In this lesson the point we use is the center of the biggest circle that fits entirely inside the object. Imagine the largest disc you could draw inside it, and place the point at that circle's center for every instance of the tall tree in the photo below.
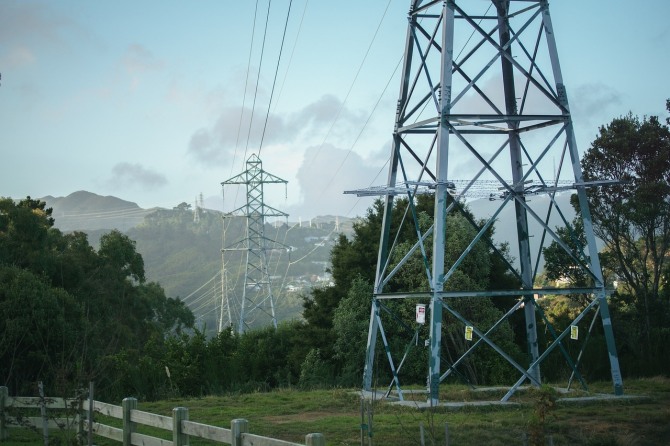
(633, 217)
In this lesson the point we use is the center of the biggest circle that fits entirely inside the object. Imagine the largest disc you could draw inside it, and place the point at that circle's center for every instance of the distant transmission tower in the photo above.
(196, 211)
(482, 94)
(257, 304)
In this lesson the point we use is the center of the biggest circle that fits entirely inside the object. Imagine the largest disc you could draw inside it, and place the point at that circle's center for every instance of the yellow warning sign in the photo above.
(574, 332)
(468, 332)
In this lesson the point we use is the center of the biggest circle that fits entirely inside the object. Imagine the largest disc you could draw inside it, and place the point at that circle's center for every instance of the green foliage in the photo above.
(350, 324)
(544, 403)
(71, 314)
(633, 217)
(40, 329)
(341, 313)
(558, 263)
(315, 373)
(118, 254)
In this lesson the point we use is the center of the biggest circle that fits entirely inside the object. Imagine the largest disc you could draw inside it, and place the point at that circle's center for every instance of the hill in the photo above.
(184, 253)
(87, 211)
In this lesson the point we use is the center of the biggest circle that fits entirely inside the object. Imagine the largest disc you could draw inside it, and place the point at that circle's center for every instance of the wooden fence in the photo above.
(78, 414)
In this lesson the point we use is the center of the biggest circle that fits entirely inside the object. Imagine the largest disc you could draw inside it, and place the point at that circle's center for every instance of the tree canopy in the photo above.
(66, 308)
(632, 218)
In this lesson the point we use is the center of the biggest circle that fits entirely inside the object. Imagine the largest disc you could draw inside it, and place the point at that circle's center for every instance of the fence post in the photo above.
(178, 437)
(127, 405)
(43, 412)
(91, 389)
(4, 394)
(237, 427)
(80, 417)
(315, 440)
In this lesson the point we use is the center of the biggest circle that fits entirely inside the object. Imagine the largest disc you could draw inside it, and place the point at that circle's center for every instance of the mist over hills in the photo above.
(183, 251)
(87, 211)
(182, 248)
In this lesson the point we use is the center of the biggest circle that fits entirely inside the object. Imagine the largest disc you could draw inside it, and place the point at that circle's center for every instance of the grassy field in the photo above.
(641, 418)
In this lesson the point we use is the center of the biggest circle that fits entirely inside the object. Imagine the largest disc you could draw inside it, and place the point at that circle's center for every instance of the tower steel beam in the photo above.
(482, 94)
(257, 297)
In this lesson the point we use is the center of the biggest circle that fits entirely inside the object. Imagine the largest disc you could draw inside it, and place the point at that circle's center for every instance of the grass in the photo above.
(291, 414)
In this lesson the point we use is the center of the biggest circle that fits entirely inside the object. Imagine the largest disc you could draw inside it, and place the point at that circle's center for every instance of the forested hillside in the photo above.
(184, 253)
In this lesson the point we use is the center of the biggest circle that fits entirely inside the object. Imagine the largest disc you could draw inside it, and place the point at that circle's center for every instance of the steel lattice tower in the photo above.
(482, 94)
(257, 298)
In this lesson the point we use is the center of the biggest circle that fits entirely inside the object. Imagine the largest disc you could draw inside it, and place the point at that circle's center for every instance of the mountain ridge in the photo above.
(83, 210)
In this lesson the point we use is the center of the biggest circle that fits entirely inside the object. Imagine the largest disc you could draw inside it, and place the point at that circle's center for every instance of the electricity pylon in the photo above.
(482, 94)
(257, 299)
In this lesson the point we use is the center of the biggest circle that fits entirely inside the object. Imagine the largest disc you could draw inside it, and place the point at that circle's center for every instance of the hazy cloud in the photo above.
(220, 142)
(30, 28)
(32, 22)
(20, 56)
(592, 101)
(138, 59)
(326, 172)
(127, 174)
(230, 135)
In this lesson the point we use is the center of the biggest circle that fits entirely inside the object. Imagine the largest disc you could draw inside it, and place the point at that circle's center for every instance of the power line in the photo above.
(290, 59)
(201, 287)
(258, 77)
(364, 126)
(281, 48)
(353, 82)
(246, 83)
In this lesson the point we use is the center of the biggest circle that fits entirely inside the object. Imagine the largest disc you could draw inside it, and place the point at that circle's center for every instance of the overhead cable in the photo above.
(274, 82)
(246, 83)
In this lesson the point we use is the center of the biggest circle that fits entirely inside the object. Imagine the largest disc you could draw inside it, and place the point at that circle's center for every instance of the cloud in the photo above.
(28, 29)
(20, 56)
(127, 174)
(326, 172)
(234, 132)
(138, 59)
(21, 21)
(592, 101)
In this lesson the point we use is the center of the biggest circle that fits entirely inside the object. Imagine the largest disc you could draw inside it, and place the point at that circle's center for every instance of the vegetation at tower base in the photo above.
(341, 314)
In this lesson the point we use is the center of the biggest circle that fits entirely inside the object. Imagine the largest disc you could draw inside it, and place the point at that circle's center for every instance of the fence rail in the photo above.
(84, 411)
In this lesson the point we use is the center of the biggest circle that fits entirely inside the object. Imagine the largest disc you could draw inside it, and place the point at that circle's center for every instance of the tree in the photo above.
(337, 317)
(40, 331)
(70, 312)
(350, 323)
(118, 253)
(633, 216)
(25, 229)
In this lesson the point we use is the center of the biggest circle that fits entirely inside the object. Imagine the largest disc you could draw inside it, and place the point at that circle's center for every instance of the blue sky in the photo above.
(143, 100)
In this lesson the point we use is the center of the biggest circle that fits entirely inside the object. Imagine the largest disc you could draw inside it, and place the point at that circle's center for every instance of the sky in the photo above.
(151, 101)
